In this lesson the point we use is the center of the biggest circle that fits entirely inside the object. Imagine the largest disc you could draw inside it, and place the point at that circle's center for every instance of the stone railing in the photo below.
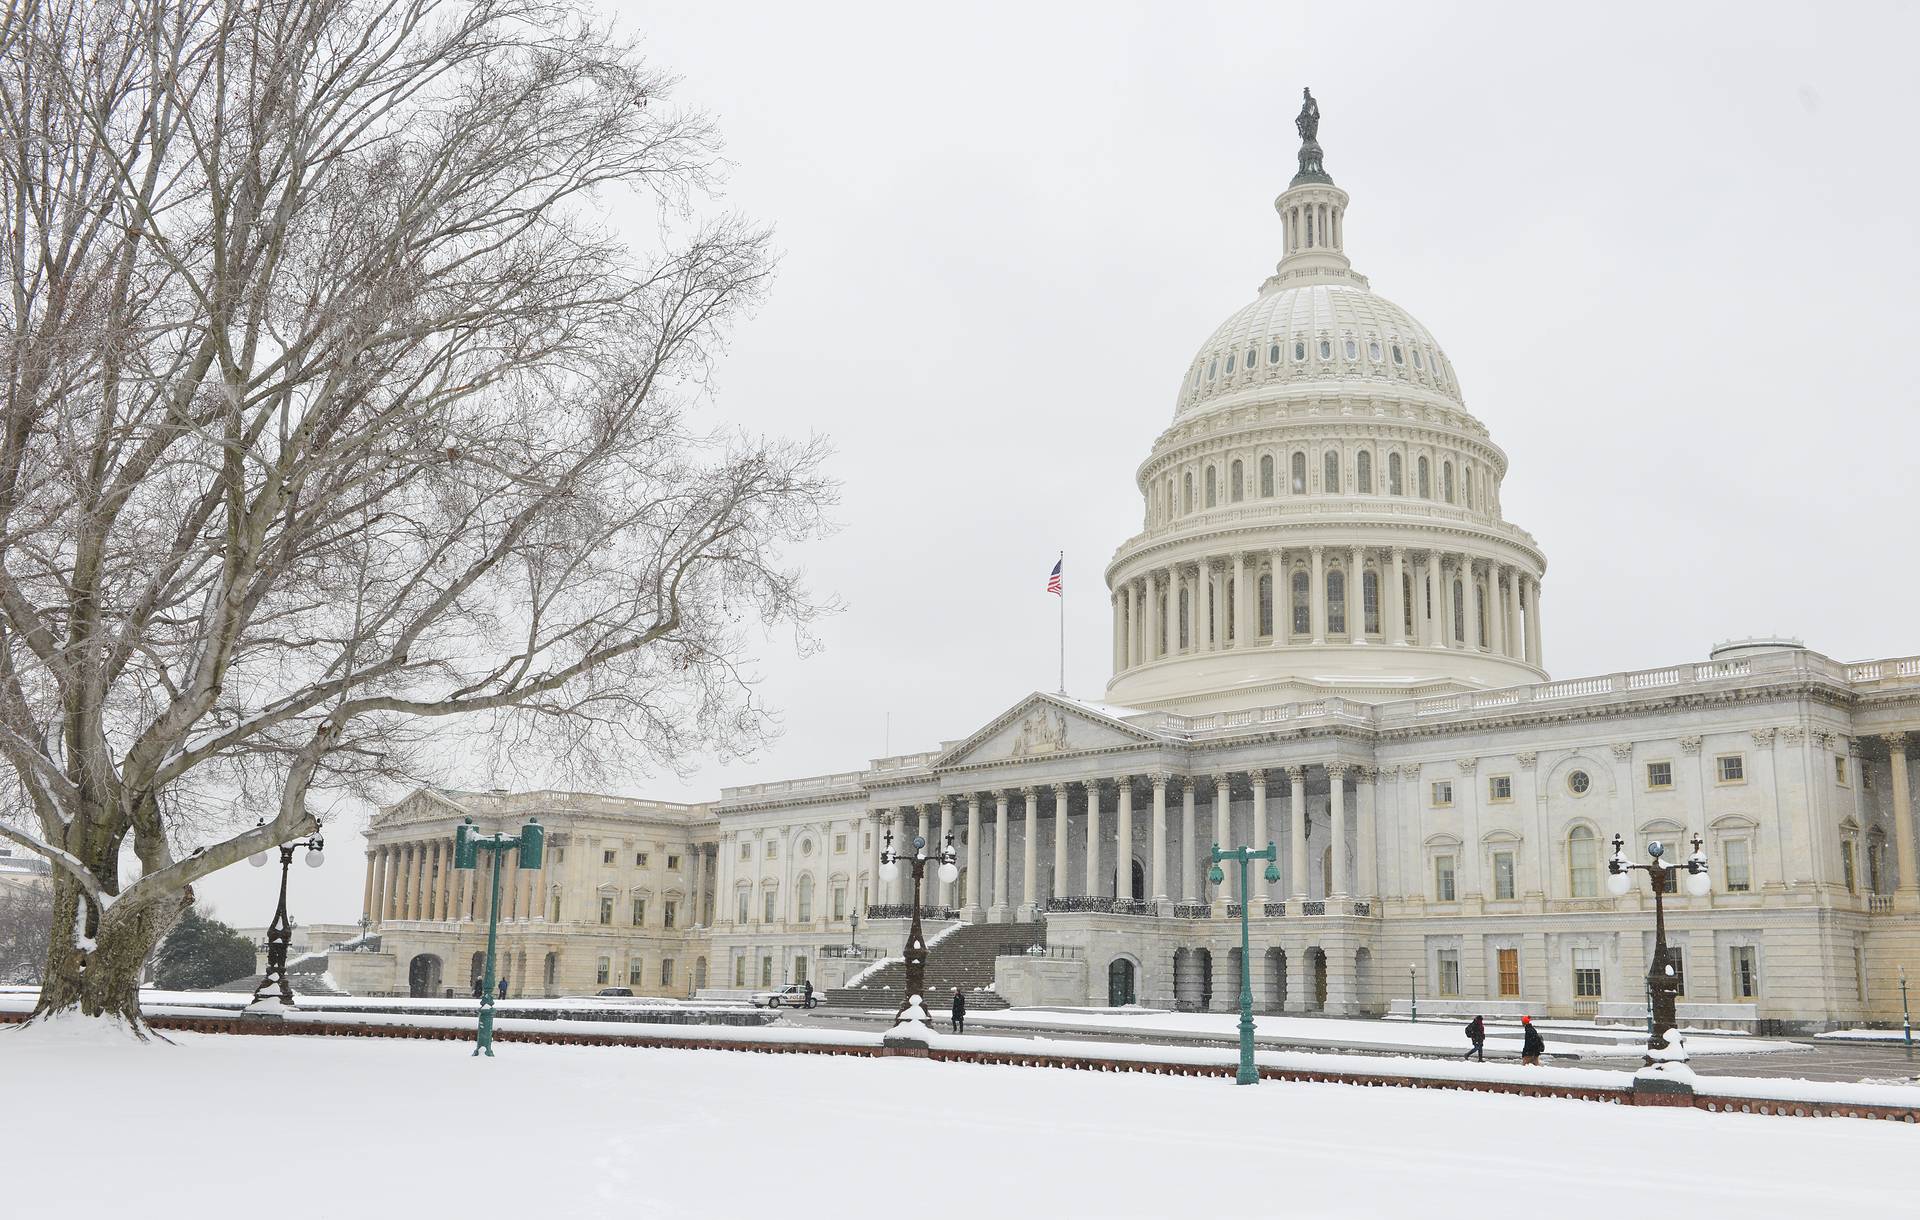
(1099, 904)
(1057, 952)
(905, 911)
(1192, 910)
(1880, 904)
(862, 953)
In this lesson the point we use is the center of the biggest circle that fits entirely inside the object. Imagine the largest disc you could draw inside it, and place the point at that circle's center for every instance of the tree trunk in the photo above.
(102, 979)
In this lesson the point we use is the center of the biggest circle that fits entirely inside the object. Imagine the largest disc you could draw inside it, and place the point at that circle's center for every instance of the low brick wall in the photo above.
(1015, 1057)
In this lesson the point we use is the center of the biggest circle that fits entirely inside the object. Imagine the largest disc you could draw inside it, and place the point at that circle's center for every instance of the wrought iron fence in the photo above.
(1276, 909)
(905, 911)
(1313, 906)
(859, 952)
(1191, 910)
(1020, 949)
(1099, 904)
(1266, 910)
(1363, 908)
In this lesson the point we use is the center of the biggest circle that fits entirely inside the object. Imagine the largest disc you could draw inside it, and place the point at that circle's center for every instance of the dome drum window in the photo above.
(1229, 364)
(1399, 357)
(1253, 355)
(1273, 354)
(1353, 350)
(1373, 350)
(1326, 349)
(1299, 349)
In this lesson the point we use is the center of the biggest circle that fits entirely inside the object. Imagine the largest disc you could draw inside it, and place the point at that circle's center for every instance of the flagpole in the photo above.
(1063, 624)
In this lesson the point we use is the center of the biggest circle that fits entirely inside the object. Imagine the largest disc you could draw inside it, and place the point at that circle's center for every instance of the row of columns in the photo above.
(416, 880)
(993, 894)
(1312, 226)
(1223, 603)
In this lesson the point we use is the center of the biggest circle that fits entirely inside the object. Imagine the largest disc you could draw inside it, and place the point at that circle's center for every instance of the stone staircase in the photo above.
(963, 960)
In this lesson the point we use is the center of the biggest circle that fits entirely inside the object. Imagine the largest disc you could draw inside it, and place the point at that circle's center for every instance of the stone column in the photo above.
(1202, 633)
(925, 828)
(1357, 596)
(426, 880)
(1129, 652)
(447, 876)
(1282, 598)
(1030, 854)
(1259, 781)
(1476, 610)
(1123, 840)
(409, 882)
(434, 870)
(1907, 894)
(1366, 843)
(1189, 879)
(1093, 839)
(1119, 632)
(1160, 839)
(1337, 812)
(946, 828)
(1426, 593)
(1516, 643)
(1317, 595)
(1170, 621)
(1240, 634)
(1395, 631)
(366, 903)
(976, 884)
(999, 911)
(1222, 804)
(1297, 812)
(382, 882)
(1496, 612)
(1531, 602)
(697, 880)
(1062, 812)
(539, 910)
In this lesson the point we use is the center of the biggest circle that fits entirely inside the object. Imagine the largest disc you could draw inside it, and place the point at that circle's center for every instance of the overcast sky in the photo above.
(1669, 248)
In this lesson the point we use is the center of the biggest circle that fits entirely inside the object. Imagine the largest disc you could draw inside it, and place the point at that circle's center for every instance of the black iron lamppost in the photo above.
(912, 1006)
(1661, 983)
(274, 991)
(1413, 995)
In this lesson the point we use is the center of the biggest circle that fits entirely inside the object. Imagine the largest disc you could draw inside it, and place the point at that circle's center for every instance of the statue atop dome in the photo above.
(1308, 125)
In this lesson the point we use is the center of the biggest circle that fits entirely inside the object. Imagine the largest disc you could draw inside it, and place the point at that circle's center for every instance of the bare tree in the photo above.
(340, 413)
(26, 914)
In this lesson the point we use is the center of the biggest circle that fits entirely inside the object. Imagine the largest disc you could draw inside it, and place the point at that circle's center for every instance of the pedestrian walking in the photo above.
(1532, 1045)
(959, 1022)
(476, 986)
(809, 986)
(1477, 1035)
(503, 989)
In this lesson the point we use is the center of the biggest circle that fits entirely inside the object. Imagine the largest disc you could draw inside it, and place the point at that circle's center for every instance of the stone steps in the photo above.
(963, 960)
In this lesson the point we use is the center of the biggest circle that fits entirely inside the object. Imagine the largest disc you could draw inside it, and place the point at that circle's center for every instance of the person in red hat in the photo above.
(1531, 1044)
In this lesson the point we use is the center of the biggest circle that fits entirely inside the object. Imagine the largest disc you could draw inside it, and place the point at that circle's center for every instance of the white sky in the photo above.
(1668, 248)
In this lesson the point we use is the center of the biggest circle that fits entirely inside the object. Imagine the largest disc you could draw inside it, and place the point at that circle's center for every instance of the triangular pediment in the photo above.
(1040, 726)
(421, 805)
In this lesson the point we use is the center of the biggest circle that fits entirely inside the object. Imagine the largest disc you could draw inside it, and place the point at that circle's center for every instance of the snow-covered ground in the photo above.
(1335, 1034)
(204, 1128)
(1866, 1035)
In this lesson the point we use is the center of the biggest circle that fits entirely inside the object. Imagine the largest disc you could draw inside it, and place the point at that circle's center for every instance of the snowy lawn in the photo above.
(1335, 1033)
(203, 1128)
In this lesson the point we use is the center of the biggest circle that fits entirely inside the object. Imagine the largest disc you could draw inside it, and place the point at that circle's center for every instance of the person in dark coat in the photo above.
(476, 986)
(1477, 1035)
(959, 1023)
(1532, 1045)
(809, 986)
(503, 989)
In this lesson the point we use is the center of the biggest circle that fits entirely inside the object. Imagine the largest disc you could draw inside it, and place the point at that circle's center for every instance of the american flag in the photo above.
(1053, 579)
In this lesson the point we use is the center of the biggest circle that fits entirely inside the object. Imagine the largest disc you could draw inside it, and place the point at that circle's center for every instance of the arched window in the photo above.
(1446, 481)
(1299, 474)
(1299, 349)
(1229, 363)
(1266, 603)
(1302, 613)
(1353, 349)
(1373, 349)
(1336, 602)
(1330, 472)
(1188, 503)
(1583, 863)
(1459, 615)
(1237, 482)
(1393, 474)
(1213, 490)
(1181, 640)
(1213, 366)
(1485, 601)
(1467, 486)
(1406, 603)
(1273, 354)
(803, 899)
(1226, 611)
(1426, 484)
(1252, 354)
(1326, 349)
(1370, 602)
(1266, 474)
(1399, 356)
(1363, 473)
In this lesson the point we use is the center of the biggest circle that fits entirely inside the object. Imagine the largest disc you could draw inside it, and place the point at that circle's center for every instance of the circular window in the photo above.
(806, 847)
(1577, 783)
(1326, 349)
(1373, 350)
(1273, 354)
(1353, 349)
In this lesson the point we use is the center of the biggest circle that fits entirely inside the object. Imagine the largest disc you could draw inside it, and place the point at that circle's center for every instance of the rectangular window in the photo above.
(1586, 974)
(1509, 962)
(634, 975)
(555, 916)
(1739, 870)
(603, 970)
(839, 845)
(639, 911)
(1840, 769)
(1745, 969)
(866, 841)
(746, 851)
(673, 863)
(559, 855)
(1442, 794)
(771, 899)
(1846, 863)
(1659, 775)
(1449, 980)
(1503, 874)
(1499, 788)
(666, 972)
(1677, 958)
(606, 910)
(606, 857)
(741, 908)
(773, 850)
(766, 971)
(639, 859)
(839, 902)
(667, 912)
(1731, 768)
(740, 971)
(799, 968)
(1443, 879)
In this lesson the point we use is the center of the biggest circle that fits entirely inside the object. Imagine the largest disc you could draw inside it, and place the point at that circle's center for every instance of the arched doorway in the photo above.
(1232, 997)
(1120, 983)
(1276, 980)
(1363, 980)
(1205, 957)
(699, 973)
(424, 976)
(550, 973)
(1189, 993)
(476, 971)
(1317, 968)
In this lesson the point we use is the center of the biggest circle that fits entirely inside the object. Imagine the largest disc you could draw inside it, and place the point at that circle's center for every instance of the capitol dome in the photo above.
(1323, 515)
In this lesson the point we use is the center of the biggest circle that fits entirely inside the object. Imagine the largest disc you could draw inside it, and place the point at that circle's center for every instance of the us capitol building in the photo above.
(1325, 633)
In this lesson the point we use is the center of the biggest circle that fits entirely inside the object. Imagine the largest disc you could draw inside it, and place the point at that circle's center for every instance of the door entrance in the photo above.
(1119, 983)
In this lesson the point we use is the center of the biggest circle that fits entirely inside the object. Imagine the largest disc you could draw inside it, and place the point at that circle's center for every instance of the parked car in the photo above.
(616, 991)
(793, 995)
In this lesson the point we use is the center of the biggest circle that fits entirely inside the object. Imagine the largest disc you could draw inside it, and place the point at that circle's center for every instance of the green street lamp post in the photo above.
(1245, 855)
(1413, 995)
(1906, 1019)
(468, 843)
